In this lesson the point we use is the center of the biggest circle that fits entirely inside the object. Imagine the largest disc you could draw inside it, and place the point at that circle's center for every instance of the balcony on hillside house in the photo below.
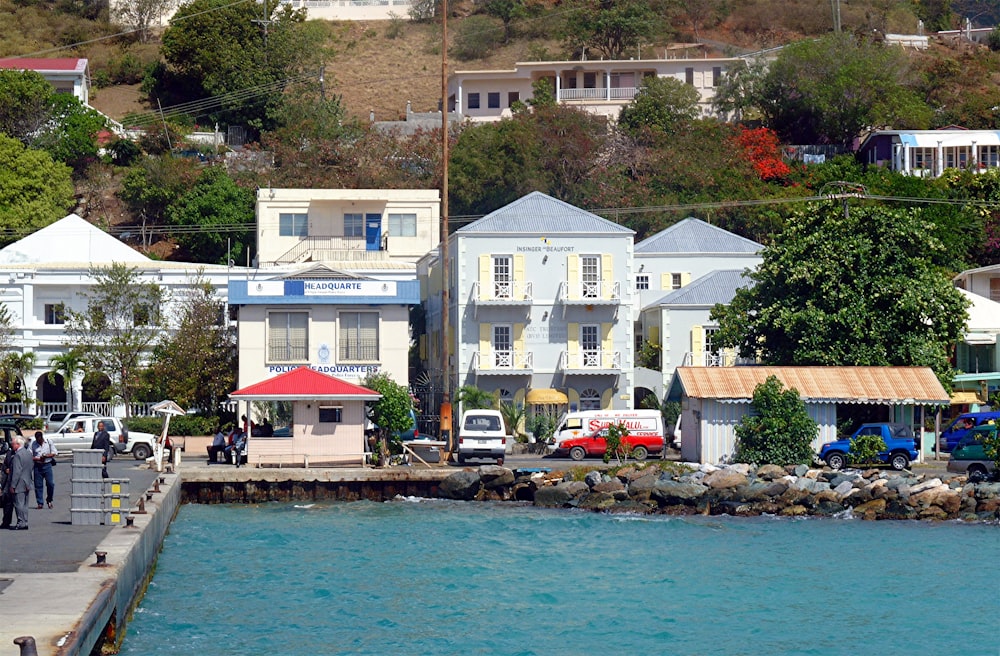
(502, 362)
(336, 248)
(590, 362)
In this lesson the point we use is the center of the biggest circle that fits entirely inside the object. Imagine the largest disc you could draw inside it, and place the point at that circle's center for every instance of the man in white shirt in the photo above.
(44, 453)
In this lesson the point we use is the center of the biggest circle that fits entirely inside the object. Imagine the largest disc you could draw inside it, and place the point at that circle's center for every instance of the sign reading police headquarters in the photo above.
(313, 288)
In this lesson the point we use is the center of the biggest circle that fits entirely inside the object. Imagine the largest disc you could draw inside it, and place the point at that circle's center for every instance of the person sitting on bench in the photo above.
(236, 450)
(218, 446)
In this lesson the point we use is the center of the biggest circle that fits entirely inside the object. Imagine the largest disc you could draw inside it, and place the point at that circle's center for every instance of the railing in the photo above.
(503, 360)
(590, 292)
(720, 358)
(603, 93)
(317, 4)
(590, 359)
(298, 252)
(511, 291)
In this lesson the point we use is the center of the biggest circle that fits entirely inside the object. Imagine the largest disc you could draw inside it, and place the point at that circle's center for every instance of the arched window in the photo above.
(590, 399)
(506, 396)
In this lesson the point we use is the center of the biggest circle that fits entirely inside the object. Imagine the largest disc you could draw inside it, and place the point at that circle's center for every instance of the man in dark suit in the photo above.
(6, 498)
(102, 441)
(20, 482)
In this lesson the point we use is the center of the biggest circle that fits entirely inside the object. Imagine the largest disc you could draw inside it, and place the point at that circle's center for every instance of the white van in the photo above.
(482, 435)
(645, 423)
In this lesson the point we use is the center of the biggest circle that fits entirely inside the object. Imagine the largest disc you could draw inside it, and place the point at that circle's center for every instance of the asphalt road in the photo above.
(52, 543)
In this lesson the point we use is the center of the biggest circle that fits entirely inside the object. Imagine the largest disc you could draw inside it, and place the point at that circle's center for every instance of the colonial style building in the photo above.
(927, 153)
(539, 300)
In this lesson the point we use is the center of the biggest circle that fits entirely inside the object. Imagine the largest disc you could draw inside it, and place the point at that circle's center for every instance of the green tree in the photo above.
(662, 104)
(25, 103)
(830, 90)
(507, 11)
(779, 431)
(34, 189)
(71, 134)
(611, 28)
(153, 184)
(221, 213)
(472, 398)
(391, 413)
(195, 365)
(67, 365)
(119, 327)
(216, 49)
(16, 369)
(848, 290)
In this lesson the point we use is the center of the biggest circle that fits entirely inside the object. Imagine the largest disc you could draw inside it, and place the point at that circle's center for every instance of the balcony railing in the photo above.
(720, 358)
(503, 361)
(591, 361)
(590, 292)
(348, 247)
(603, 93)
(502, 293)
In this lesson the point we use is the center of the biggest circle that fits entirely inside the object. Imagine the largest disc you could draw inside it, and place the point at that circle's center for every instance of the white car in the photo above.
(78, 433)
(55, 420)
(482, 435)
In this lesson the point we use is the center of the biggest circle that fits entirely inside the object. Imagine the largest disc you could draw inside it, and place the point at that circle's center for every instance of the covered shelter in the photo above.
(328, 420)
(714, 399)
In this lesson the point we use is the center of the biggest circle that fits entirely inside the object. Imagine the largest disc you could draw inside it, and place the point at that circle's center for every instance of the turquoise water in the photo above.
(438, 577)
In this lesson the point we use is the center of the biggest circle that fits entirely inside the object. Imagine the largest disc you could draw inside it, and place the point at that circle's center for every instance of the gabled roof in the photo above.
(877, 385)
(305, 383)
(70, 239)
(711, 288)
(691, 236)
(320, 270)
(538, 213)
(45, 64)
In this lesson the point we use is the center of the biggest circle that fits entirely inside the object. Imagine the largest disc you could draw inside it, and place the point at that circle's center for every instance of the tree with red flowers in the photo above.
(762, 148)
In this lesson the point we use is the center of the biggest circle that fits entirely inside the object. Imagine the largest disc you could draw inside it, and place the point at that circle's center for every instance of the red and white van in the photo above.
(645, 427)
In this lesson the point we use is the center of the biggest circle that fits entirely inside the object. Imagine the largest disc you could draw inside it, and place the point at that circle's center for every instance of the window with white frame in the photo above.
(716, 76)
(590, 399)
(473, 101)
(712, 355)
(675, 281)
(55, 313)
(689, 75)
(354, 225)
(293, 225)
(590, 276)
(590, 344)
(331, 414)
(403, 225)
(503, 277)
(503, 348)
(641, 282)
(358, 336)
(287, 336)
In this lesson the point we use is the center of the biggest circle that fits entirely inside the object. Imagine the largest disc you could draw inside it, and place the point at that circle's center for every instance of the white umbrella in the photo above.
(168, 409)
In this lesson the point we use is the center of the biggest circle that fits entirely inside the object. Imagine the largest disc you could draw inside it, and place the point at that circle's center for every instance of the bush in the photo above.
(780, 431)
(865, 449)
(477, 37)
(186, 425)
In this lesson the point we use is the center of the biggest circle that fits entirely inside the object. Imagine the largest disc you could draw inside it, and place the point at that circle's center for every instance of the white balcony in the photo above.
(720, 358)
(624, 94)
(598, 292)
(591, 362)
(512, 292)
(501, 362)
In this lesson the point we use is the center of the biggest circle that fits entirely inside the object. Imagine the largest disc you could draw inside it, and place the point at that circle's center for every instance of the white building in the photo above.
(46, 274)
(927, 153)
(346, 225)
(596, 86)
(539, 301)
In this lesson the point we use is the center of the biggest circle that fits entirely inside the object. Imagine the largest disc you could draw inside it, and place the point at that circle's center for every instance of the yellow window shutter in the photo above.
(485, 282)
(607, 345)
(697, 345)
(606, 399)
(666, 281)
(485, 341)
(518, 343)
(654, 334)
(685, 278)
(573, 344)
(573, 275)
(607, 275)
(519, 280)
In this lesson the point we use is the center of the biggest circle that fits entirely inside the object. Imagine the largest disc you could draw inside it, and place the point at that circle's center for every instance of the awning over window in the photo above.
(964, 398)
(546, 396)
(979, 339)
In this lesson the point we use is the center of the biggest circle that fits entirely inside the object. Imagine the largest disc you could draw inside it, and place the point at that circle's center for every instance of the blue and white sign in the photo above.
(338, 370)
(306, 288)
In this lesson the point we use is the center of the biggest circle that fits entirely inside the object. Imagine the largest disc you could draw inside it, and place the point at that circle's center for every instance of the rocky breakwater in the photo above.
(741, 490)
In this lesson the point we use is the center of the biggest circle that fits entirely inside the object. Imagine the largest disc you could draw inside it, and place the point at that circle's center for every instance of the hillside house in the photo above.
(927, 153)
(67, 74)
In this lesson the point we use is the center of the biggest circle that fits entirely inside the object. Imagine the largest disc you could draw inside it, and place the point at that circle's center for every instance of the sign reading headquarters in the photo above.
(307, 288)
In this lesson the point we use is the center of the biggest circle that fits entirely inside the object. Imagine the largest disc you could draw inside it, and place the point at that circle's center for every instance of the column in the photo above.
(939, 160)
(906, 159)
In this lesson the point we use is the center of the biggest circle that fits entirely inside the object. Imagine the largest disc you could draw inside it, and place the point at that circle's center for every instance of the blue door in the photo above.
(373, 232)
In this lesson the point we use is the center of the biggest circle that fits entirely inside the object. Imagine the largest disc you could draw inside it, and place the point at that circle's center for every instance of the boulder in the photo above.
(630, 506)
(828, 508)
(926, 485)
(843, 488)
(770, 472)
(740, 467)
(641, 488)
(597, 501)
(494, 476)
(794, 510)
(725, 478)
(463, 485)
(593, 478)
(870, 510)
(612, 486)
(674, 492)
(800, 470)
(553, 496)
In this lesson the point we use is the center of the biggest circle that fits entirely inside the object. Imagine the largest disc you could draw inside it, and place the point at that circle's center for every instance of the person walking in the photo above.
(102, 441)
(6, 498)
(44, 453)
(20, 482)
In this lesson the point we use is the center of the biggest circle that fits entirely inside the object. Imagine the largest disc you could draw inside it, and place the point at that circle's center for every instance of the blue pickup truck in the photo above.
(900, 446)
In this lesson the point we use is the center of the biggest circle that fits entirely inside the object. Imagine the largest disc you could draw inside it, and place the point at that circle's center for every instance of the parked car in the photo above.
(481, 435)
(639, 446)
(969, 455)
(8, 429)
(961, 425)
(55, 420)
(78, 433)
(900, 446)
(20, 420)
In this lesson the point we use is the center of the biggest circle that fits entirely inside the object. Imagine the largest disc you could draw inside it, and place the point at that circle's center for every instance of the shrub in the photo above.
(779, 432)
(476, 38)
(614, 447)
(865, 449)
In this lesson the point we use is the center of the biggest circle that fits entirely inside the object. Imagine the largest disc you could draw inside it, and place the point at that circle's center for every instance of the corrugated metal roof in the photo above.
(883, 385)
(538, 213)
(47, 64)
(711, 288)
(305, 383)
(693, 235)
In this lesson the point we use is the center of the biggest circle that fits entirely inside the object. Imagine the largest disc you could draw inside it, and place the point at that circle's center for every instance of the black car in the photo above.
(20, 420)
(8, 429)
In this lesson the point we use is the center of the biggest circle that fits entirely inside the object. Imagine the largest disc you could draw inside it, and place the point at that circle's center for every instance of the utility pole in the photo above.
(264, 22)
(446, 422)
(835, 7)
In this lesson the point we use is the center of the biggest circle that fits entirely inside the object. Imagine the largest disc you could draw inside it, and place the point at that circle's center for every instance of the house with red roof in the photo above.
(328, 419)
(66, 74)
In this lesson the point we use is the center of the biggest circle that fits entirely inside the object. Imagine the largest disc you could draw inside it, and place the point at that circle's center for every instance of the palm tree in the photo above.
(67, 365)
(18, 367)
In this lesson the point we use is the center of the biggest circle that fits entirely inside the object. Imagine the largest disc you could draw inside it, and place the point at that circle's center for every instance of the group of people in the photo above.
(226, 442)
(29, 463)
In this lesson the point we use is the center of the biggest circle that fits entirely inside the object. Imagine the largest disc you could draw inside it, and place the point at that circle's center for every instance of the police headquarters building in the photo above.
(343, 323)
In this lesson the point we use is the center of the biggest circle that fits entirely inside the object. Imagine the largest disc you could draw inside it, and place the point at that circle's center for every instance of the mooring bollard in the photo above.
(149, 496)
(102, 557)
(130, 520)
(163, 479)
(142, 507)
(156, 486)
(27, 645)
